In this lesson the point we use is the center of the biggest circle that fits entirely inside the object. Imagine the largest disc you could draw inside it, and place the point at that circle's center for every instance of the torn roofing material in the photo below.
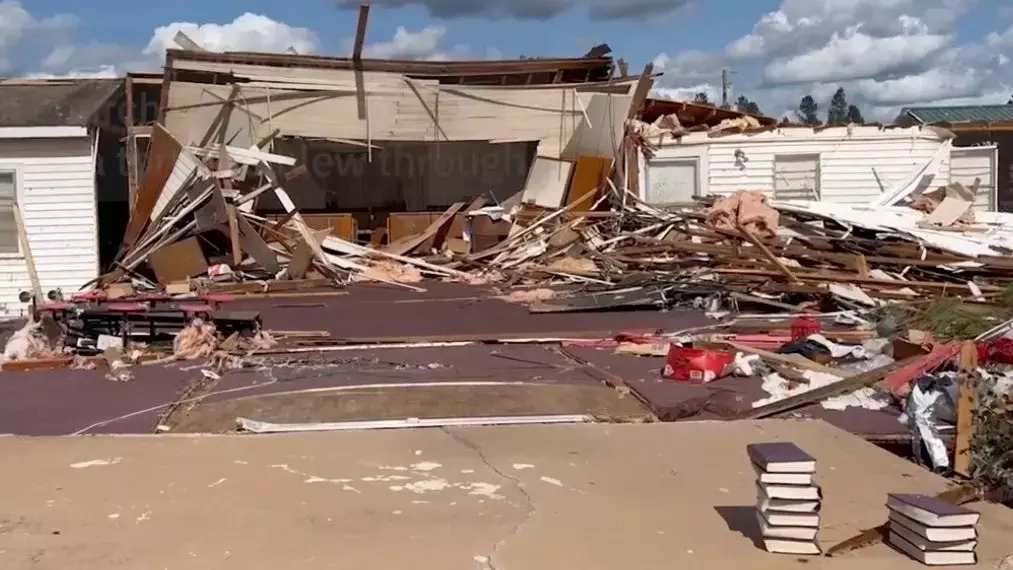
(691, 114)
(484, 72)
(54, 103)
(991, 236)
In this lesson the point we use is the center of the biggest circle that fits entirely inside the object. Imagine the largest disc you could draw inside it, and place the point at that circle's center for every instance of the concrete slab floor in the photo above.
(599, 496)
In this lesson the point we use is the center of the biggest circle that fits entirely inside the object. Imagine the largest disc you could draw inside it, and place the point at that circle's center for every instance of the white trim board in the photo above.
(42, 132)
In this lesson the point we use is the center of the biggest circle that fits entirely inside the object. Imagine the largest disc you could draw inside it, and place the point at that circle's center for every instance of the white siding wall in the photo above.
(57, 199)
(852, 168)
(977, 162)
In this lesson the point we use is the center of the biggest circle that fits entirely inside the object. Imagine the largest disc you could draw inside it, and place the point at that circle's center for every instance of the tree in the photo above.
(702, 98)
(744, 105)
(855, 116)
(837, 113)
(807, 111)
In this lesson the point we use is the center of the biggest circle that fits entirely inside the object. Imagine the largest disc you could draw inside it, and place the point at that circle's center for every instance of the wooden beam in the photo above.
(965, 410)
(26, 252)
(641, 91)
(131, 156)
(146, 80)
(360, 83)
(360, 33)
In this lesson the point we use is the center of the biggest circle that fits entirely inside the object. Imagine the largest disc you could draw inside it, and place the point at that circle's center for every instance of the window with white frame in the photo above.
(8, 225)
(797, 177)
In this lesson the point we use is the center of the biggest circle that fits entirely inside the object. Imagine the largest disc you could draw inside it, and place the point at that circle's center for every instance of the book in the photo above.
(788, 546)
(792, 492)
(931, 557)
(921, 544)
(782, 478)
(790, 519)
(765, 503)
(768, 530)
(933, 534)
(781, 457)
(930, 511)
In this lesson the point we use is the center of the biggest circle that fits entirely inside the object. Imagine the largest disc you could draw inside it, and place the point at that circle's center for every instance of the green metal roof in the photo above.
(962, 114)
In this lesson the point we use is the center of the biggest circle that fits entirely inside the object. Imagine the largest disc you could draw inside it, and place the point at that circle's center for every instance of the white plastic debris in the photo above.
(927, 412)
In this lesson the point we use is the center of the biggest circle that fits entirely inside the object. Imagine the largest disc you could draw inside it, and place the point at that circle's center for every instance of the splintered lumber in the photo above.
(286, 202)
(237, 248)
(406, 245)
(349, 248)
(796, 360)
(815, 395)
(302, 256)
(767, 253)
(965, 410)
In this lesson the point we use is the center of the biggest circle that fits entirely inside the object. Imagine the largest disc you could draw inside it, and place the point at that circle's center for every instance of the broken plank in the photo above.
(405, 246)
(255, 245)
(302, 256)
(965, 410)
(237, 248)
(813, 396)
(795, 360)
(767, 253)
(289, 206)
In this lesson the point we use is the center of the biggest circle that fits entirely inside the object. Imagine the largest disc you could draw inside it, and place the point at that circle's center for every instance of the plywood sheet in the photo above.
(162, 156)
(589, 173)
(606, 114)
(547, 182)
(178, 261)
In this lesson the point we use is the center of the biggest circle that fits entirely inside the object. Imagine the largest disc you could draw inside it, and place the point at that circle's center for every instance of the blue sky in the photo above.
(885, 53)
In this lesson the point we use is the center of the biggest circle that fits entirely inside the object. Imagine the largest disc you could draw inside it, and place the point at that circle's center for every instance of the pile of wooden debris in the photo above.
(740, 249)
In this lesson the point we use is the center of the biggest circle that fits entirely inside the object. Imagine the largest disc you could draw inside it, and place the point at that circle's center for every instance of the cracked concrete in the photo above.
(593, 497)
(490, 561)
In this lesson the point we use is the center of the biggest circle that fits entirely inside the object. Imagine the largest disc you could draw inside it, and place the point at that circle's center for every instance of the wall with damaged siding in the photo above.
(330, 104)
(57, 198)
(854, 165)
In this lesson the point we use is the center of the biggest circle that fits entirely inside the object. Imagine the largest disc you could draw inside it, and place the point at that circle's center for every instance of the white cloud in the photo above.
(18, 26)
(689, 93)
(884, 53)
(854, 56)
(423, 44)
(248, 32)
(535, 9)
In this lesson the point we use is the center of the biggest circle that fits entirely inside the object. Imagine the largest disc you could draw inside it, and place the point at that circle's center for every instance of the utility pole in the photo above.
(726, 86)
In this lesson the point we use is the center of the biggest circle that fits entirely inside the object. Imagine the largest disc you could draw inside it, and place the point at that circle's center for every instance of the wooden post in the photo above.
(130, 145)
(26, 251)
(965, 410)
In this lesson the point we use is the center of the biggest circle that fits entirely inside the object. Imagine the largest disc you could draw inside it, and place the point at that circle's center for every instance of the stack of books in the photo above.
(932, 531)
(788, 498)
